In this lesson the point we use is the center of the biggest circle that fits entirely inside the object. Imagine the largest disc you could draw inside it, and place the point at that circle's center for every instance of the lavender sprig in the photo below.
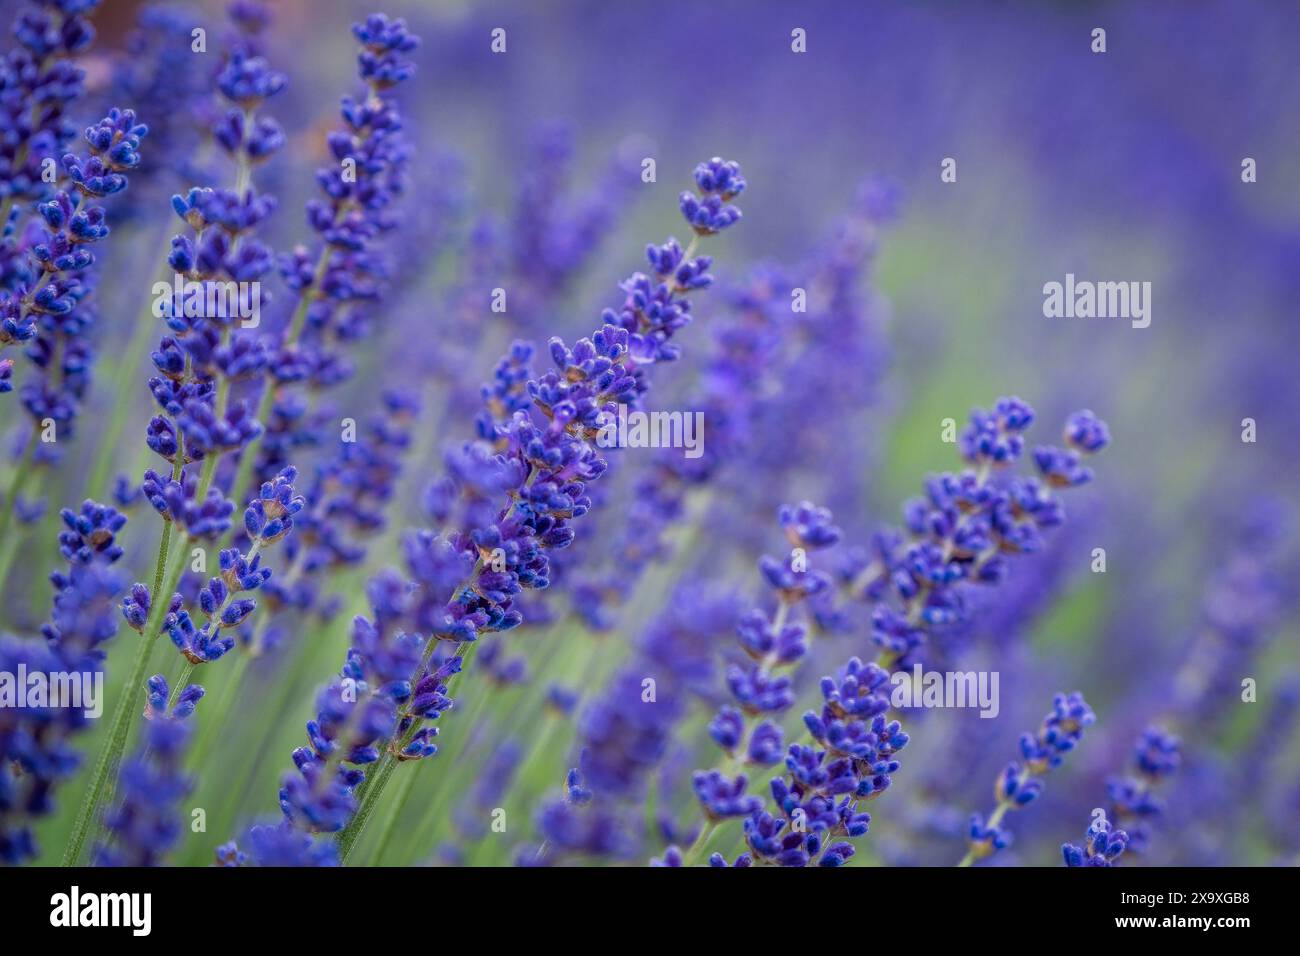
(852, 756)
(1134, 802)
(37, 83)
(1020, 784)
(551, 456)
(966, 529)
(49, 308)
(770, 644)
(337, 285)
(201, 360)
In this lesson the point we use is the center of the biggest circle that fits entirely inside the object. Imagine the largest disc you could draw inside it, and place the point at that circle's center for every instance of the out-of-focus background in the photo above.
(1117, 166)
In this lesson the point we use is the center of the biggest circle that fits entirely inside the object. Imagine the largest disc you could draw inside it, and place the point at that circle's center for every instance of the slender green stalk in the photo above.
(214, 717)
(101, 784)
(373, 787)
(389, 826)
(691, 857)
(182, 681)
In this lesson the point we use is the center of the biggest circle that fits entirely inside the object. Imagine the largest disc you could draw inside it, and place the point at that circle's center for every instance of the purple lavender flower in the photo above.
(1018, 785)
(962, 533)
(718, 183)
(38, 70)
(362, 710)
(219, 265)
(278, 844)
(552, 456)
(338, 284)
(176, 500)
(769, 641)
(268, 518)
(1133, 800)
(1103, 846)
(52, 300)
(36, 742)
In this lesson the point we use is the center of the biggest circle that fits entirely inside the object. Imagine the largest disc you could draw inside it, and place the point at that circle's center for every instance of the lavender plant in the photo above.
(47, 268)
(550, 458)
(1020, 784)
(304, 433)
(199, 363)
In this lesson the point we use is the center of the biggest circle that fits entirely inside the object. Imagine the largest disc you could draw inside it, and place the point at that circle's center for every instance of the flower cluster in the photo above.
(145, 825)
(1019, 784)
(37, 84)
(338, 285)
(852, 761)
(770, 644)
(372, 701)
(550, 450)
(853, 754)
(966, 528)
(36, 751)
(50, 309)
(1102, 847)
(550, 453)
(1133, 801)
(268, 518)
(550, 457)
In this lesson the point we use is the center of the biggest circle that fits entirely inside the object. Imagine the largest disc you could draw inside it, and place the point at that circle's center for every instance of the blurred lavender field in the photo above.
(522, 172)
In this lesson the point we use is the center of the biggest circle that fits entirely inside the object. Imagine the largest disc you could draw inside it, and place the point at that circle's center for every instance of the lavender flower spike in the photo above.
(551, 455)
(1133, 799)
(1019, 785)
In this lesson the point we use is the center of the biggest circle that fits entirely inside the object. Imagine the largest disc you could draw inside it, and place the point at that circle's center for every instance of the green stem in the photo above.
(182, 681)
(403, 792)
(994, 819)
(701, 842)
(120, 725)
(352, 832)
(373, 787)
